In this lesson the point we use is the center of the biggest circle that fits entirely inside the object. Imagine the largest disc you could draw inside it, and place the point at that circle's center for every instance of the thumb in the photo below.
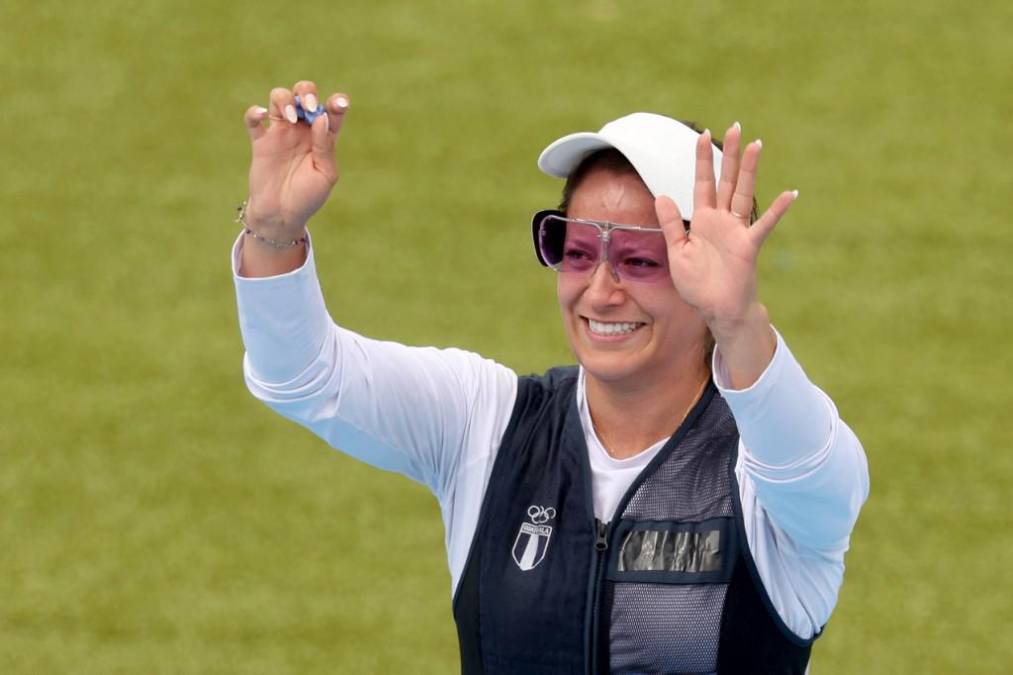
(254, 121)
(670, 220)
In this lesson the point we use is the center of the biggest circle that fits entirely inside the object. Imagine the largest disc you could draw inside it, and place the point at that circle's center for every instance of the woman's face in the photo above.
(626, 333)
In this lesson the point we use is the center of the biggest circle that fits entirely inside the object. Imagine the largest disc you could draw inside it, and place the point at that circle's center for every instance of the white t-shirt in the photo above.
(438, 417)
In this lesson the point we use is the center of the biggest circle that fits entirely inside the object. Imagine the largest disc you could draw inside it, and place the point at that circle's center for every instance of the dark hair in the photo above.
(612, 160)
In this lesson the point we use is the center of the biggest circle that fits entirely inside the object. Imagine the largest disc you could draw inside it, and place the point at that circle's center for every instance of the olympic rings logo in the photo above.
(541, 514)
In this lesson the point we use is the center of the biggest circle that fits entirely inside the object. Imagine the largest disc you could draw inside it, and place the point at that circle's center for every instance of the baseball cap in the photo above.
(661, 149)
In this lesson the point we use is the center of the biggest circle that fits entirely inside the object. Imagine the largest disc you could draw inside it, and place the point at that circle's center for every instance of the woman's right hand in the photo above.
(293, 167)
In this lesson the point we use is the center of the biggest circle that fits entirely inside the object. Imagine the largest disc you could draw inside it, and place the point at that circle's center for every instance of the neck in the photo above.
(629, 418)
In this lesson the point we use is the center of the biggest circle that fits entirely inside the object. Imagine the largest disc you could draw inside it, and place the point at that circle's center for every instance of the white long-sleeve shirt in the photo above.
(438, 416)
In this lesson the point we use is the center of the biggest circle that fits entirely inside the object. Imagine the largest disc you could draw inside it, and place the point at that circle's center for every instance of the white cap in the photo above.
(661, 149)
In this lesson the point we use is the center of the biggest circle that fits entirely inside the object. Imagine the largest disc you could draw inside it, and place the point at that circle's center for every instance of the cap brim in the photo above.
(563, 155)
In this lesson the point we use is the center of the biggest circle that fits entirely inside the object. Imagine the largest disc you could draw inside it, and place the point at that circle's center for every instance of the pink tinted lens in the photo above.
(639, 256)
(581, 248)
(567, 246)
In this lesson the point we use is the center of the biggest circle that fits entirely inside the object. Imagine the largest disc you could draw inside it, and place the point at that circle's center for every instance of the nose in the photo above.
(602, 288)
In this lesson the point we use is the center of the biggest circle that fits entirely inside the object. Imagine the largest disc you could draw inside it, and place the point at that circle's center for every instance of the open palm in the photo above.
(713, 264)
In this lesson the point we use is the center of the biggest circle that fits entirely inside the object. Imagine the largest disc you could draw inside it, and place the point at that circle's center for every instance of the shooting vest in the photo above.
(668, 586)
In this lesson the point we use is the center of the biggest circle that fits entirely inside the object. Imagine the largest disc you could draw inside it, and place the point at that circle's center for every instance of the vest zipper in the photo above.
(602, 530)
(601, 545)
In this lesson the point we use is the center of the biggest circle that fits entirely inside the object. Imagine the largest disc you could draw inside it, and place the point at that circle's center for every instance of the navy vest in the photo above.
(668, 586)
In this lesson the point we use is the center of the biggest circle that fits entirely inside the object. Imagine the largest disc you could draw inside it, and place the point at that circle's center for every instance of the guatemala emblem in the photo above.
(533, 538)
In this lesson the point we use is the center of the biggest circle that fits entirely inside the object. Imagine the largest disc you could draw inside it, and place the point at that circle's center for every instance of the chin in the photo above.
(612, 367)
(637, 364)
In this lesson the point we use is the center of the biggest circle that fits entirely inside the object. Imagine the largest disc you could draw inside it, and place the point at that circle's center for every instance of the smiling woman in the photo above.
(656, 508)
(633, 332)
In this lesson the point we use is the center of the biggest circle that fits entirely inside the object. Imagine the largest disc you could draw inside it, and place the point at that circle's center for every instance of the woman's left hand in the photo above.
(713, 265)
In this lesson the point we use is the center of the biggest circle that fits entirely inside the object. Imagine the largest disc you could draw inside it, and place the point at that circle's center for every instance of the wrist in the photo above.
(747, 345)
(272, 225)
(277, 245)
(277, 237)
(753, 321)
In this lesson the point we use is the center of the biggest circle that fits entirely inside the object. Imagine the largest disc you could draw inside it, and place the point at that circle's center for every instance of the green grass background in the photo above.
(154, 518)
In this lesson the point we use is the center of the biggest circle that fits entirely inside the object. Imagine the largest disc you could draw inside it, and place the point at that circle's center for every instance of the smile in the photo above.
(612, 328)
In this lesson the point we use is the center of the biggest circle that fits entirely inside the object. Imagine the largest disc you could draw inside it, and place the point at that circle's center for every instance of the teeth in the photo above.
(618, 328)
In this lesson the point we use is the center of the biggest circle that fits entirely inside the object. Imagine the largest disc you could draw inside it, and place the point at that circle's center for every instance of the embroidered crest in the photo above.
(533, 538)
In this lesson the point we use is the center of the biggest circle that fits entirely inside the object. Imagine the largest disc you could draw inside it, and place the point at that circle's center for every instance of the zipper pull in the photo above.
(602, 542)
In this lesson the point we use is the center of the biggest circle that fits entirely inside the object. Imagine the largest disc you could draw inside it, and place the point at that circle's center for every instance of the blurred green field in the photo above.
(154, 518)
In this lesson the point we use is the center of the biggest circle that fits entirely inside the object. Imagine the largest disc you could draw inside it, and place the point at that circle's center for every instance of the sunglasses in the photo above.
(577, 246)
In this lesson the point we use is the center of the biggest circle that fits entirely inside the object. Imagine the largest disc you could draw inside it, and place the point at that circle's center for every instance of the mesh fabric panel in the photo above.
(665, 628)
(675, 628)
(693, 484)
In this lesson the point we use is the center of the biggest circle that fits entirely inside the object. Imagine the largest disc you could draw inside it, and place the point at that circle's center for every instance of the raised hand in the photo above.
(293, 167)
(713, 265)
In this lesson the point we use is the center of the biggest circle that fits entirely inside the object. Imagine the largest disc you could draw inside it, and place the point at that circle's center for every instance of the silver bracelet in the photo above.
(273, 243)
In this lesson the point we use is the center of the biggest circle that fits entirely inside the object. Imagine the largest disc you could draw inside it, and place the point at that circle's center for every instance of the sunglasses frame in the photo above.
(605, 228)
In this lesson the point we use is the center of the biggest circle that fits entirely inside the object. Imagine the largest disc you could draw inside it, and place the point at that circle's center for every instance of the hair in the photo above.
(614, 161)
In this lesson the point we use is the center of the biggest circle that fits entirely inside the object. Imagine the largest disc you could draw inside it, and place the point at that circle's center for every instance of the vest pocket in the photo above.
(670, 552)
(665, 589)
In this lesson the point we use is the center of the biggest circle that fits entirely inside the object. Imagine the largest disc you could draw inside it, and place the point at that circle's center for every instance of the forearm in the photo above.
(807, 466)
(746, 345)
(781, 416)
(282, 316)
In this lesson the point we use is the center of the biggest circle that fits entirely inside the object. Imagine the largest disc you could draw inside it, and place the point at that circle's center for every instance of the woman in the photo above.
(681, 502)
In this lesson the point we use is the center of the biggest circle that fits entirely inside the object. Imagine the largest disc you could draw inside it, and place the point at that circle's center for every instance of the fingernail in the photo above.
(341, 102)
(290, 114)
(794, 195)
(707, 133)
(260, 111)
(327, 122)
(737, 126)
(759, 143)
(309, 102)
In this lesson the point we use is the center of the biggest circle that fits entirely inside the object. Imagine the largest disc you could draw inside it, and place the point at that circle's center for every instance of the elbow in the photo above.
(300, 395)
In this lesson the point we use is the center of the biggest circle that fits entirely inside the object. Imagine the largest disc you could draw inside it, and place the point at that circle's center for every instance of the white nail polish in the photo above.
(737, 126)
(341, 102)
(310, 102)
(794, 195)
(759, 143)
(260, 111)
(290, 114)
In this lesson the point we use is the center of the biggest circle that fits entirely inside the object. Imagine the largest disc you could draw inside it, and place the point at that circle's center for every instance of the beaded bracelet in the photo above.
(273, 243)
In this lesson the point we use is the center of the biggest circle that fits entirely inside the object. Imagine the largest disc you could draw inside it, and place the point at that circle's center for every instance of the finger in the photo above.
(282, 107)
(670, 220)
(337, 106)
(742, 200)
(703, 187)
(729, 166)
(307, 93)
(764, 225)
(323, 149)
(254, 121)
